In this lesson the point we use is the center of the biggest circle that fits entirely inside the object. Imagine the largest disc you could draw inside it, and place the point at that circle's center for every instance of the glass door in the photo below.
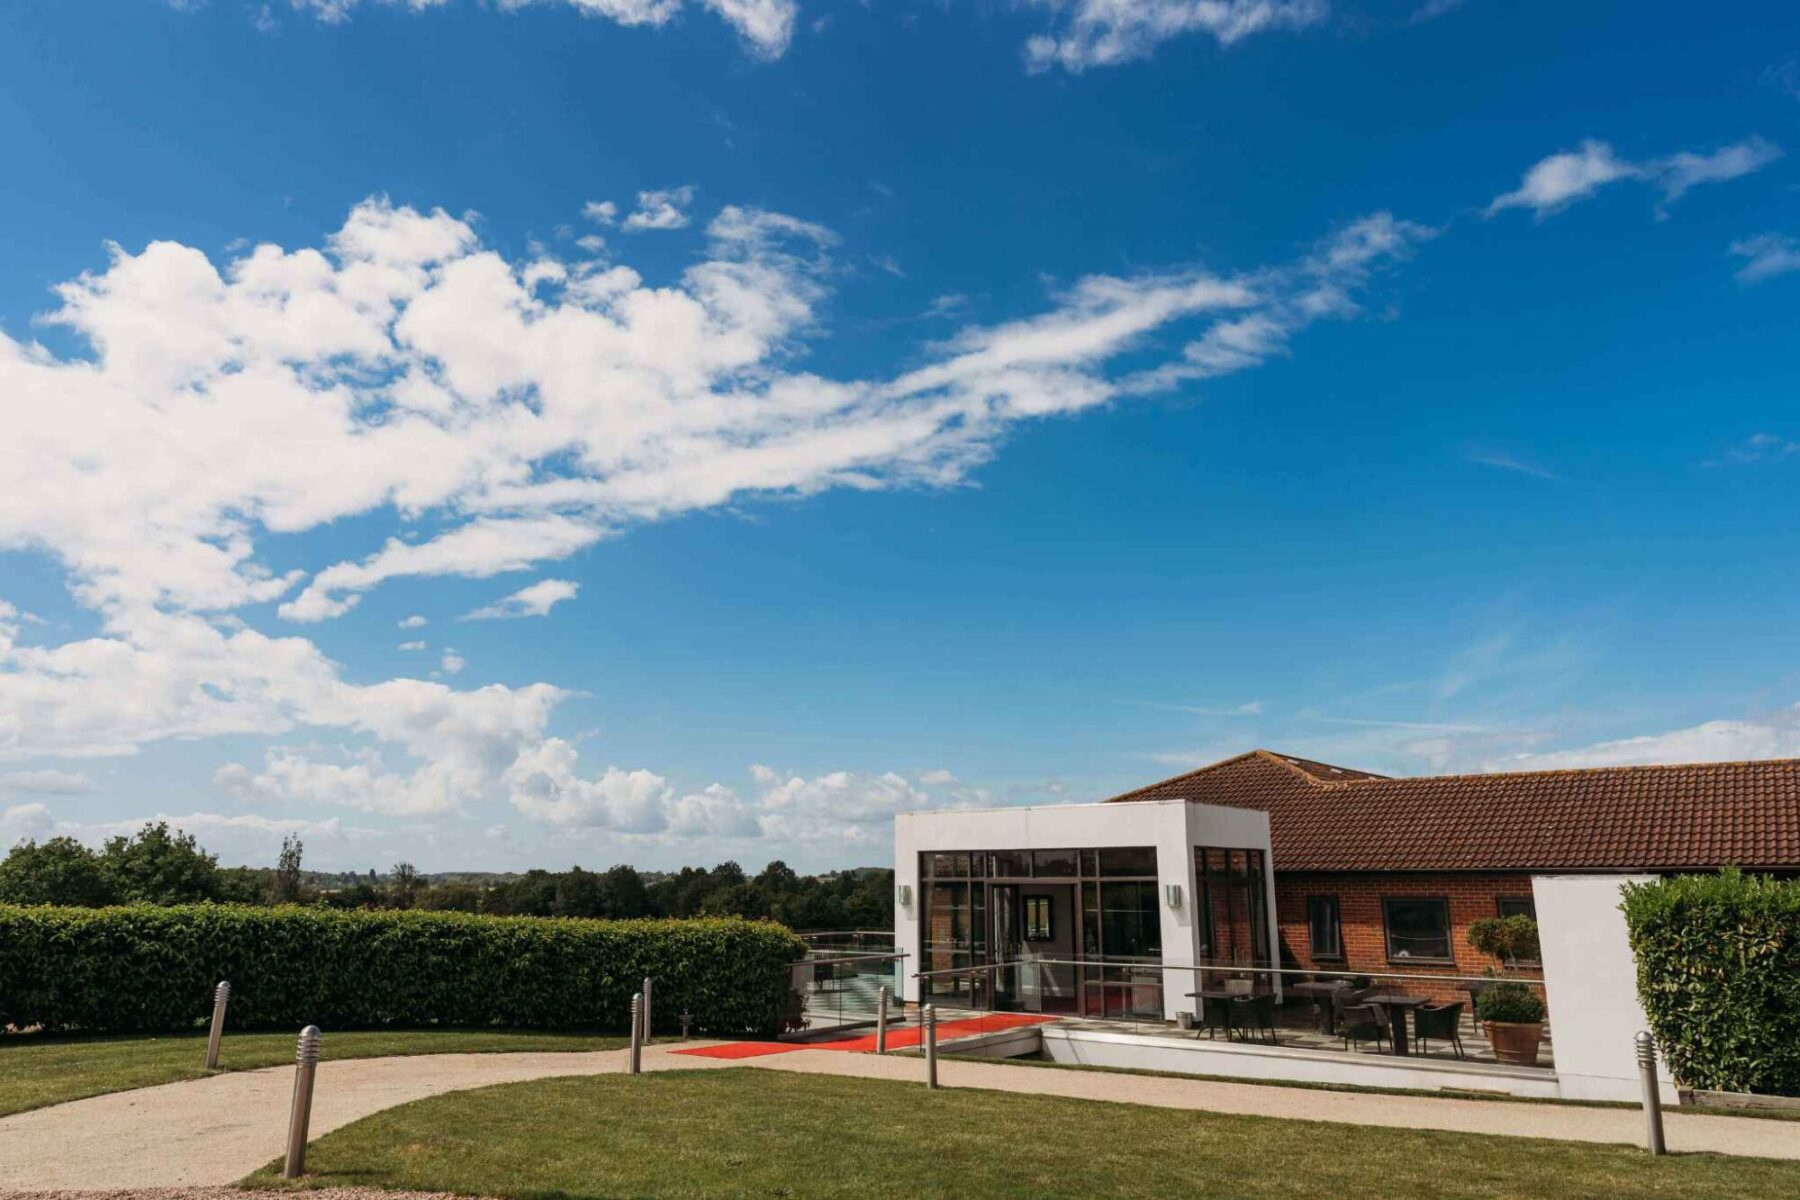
(1006, 944)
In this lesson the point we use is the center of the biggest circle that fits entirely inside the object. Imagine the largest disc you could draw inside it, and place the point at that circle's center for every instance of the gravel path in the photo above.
(208, 1132)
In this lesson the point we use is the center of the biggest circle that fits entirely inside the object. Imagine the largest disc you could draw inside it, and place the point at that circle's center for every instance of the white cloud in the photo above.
(1777, 736)
(404, 372)
(1678, 173)
(414, 622)
(1564, 178)
(1104, 33)
(666, 209)
(601, 212)
(766, 26)
(452, 663)
(413, 646)
(46, 782)
(533, 601)
(24, 822)
(1758, 447)
(1574, 175)
(1766, 255)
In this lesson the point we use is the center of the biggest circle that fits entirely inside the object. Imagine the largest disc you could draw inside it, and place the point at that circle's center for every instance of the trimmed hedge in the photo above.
(152, 969)
(1718, 968)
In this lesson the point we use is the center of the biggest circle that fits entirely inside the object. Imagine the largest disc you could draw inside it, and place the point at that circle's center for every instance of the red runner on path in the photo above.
(897, 1038)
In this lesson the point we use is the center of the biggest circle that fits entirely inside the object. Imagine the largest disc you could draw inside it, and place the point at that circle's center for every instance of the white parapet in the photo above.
(1590, 983)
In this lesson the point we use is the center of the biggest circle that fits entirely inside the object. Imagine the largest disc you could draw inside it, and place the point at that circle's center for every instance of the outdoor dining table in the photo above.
(1397, 1004)
(1320, 995)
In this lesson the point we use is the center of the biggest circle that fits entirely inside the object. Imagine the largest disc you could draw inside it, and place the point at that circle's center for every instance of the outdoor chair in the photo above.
(1261, 1010)
(1343, 998)
(1215, 1016)
(1364, 1023)
(1440, 1021)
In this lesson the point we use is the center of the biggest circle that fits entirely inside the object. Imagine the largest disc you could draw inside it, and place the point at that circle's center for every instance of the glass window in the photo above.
(1325, 926)
(953, 865)
(1053, 863)
(1011, 864)
(1516, 906)
(1090, 863)
(1418, 928)
(1128, 860)
(1037, 919)
(1130, 922)
(1090, 920)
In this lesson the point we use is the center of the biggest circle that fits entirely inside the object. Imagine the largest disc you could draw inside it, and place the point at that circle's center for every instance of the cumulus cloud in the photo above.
(1765, 256)
(766, 26)
(661, 210)
(25, 822)
(497, 415)
(1775, 736)
(46, 782)
(1104, 33)
(532, 601)
(1570, 176)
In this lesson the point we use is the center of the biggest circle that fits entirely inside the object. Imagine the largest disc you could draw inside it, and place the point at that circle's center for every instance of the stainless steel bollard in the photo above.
(649, 1027)
(637, 1033)
(221, 995)
(1653, 1121)
(931, 1046)
(881, 1003)
(306, 1058)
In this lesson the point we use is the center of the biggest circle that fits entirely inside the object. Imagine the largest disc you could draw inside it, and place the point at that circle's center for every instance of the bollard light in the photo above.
(649, 1025)
(931, 1046)
(306, 1066)
(221, 995)
(637, 1033)
(881, 1005)
(1653, 1122)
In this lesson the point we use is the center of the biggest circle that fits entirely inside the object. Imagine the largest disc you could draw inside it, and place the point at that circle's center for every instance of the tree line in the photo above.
(158, 865)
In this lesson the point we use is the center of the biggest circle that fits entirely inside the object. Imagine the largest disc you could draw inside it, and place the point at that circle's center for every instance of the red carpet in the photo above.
(898, 1039)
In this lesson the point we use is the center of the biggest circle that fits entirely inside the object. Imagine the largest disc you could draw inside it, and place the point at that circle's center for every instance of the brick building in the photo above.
(1373, 873)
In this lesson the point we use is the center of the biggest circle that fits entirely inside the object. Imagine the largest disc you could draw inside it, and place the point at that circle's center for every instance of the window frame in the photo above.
(1034, 932)
(1387, 930)
(1334, 906)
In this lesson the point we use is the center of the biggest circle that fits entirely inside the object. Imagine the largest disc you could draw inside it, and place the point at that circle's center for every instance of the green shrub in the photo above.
(1511, 939)
(1718, 971)
(149, 969)
(1510, 1002)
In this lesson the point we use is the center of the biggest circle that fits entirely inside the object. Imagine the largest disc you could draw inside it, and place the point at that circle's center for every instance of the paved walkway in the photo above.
(216, 1130)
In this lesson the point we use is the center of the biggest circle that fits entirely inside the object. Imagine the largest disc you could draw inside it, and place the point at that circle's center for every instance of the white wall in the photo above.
(1590, 980)
(1174, 827)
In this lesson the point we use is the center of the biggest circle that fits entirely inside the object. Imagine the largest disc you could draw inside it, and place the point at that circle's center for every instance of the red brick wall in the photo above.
(1359, 897)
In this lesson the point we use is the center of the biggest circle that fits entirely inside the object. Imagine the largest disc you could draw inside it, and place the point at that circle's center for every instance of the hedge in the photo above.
(1718, 967)
(144, 968)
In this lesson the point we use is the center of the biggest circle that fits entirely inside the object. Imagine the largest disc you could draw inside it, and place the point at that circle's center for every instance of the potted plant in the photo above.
(1511, 1013)
(1514, 1020)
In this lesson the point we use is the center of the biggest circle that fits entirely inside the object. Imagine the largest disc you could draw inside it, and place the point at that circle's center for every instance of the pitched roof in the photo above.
(1325, 818)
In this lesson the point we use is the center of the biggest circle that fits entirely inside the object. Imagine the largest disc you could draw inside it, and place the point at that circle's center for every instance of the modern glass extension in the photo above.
(1079, 932)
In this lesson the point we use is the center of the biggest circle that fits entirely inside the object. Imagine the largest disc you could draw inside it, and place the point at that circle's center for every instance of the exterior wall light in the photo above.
(1172, 893)
(903, 893)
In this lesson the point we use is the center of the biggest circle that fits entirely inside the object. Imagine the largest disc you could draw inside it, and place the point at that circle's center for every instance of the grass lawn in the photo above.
(36, 1070)
(745, 1132)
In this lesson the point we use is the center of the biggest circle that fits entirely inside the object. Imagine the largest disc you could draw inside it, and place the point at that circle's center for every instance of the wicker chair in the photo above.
(1440, 1021)
(1364, 1023)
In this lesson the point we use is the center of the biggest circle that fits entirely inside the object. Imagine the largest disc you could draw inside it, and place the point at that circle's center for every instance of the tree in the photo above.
(622, 893)
(403, 885)
(285, 887)
(578, 894)
(157, 866)
(61, 871)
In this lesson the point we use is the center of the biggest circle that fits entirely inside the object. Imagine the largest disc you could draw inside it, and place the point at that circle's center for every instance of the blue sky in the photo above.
(506, 435)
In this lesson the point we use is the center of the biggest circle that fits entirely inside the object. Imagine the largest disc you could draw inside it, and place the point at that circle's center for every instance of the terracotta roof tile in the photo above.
(1325, 818)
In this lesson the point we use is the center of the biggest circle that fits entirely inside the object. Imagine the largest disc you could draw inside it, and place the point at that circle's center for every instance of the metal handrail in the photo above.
(818, 933)
(851, 958)
(1142, 966)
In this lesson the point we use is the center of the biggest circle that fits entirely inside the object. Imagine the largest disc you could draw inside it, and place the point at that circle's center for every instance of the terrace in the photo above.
(1381, 1029)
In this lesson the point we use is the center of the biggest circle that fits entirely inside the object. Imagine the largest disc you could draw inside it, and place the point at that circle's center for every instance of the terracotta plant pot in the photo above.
(1515, 1042)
